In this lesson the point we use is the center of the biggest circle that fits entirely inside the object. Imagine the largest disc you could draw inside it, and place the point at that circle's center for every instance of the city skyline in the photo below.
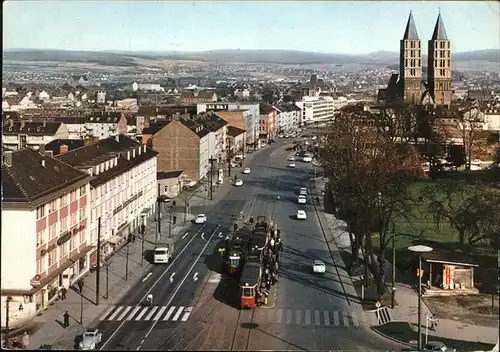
(201, 26)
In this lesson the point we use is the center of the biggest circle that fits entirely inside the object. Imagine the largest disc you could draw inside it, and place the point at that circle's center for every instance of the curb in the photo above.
(393, 338)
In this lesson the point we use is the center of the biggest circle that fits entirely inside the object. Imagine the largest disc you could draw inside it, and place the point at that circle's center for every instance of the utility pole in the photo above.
(211, 160)
(158, 203)
(393, 292)
(7, 307)
(81, 309)
(126, 263)
(229, 157)
(98, 276)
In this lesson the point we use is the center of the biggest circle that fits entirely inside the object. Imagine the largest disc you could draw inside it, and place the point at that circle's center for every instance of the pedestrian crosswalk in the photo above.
(149, 313)
(315, 317)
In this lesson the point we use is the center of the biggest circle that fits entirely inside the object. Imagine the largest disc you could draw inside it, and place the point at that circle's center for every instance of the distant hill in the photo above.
(128, 58)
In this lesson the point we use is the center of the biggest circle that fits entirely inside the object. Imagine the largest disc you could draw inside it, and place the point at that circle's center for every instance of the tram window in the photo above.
(247, 292)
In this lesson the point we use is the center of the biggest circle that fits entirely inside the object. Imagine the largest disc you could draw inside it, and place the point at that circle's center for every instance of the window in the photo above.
(72, 243)
(22, 141)
(64, 200)
(40, 265)
(64, 224)
(81, 236)
(51, 257)
(83, 191)
(81, 214)
(73, 219)
(73, 196)
(52, 231)
(63, 249)
(53, 206)
(40, 238)
(40, 212)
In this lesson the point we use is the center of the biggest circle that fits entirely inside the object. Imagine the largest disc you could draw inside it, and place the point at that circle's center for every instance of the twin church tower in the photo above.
(411, 87)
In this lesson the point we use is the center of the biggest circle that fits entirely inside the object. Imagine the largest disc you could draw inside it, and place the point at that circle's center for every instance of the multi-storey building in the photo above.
(268, 122)
(193, 97)
(20, 134)
(123, 189)
(97, 125)
(252, 117)
(288, 117)
(45, 242)
(315, 109)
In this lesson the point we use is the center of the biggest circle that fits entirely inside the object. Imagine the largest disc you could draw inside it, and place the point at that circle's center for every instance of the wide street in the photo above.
(195, 307)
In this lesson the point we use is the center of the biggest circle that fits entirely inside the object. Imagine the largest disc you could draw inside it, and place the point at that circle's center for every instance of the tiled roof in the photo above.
(411, 29)
(72, 144)
(27, 179)
(171, 174)
(206, 94)
(195, 127)
(266, 109)
(155, 127)
(210, 122)
(40, 128)
(234, 131)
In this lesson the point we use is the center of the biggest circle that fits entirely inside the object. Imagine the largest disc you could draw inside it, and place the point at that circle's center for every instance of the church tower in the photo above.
(410, 64)
(439, 65)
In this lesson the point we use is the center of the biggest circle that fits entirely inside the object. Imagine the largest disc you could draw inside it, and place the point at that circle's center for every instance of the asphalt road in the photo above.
(195, 309)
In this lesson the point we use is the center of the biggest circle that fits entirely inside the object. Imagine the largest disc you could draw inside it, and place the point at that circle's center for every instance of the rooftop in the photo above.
(234, 131)
(42, 128)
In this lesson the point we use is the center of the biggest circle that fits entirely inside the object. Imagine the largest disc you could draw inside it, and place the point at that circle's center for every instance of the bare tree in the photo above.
(469, 124)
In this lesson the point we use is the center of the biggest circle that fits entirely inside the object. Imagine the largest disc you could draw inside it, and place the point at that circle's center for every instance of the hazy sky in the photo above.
(330, 27)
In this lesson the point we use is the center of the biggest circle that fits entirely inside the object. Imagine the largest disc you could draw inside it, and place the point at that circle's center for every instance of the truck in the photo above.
(164, 252)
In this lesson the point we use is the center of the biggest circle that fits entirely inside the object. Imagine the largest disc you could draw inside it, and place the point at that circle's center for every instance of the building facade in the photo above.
(45, 235)
(288, 117)
(268, 122)
(20, 134)
(410, 63)
(314, 109)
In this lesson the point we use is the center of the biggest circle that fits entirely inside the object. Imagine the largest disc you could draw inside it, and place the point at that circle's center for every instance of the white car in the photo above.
(301, 199)
(246, 170)
(238, 182)
(291, 158)
(91, 338)
(301, 215)
(307, 159)
(200, 219)
(291, 165)
(319, 267)
(437, 346)
(303, 191)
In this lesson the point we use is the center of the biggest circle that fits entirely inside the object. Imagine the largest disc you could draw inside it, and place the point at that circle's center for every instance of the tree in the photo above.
(472, 210)
(469, 123)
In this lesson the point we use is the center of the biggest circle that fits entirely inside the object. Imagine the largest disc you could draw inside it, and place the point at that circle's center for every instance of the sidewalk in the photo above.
(47, 328)
(407, 296)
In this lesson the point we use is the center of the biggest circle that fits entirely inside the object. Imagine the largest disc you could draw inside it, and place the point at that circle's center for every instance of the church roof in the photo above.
(411, 29)
(439, 31)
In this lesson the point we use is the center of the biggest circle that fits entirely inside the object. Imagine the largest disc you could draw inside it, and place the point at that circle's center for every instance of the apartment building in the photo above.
(268, 122)
(317, 108)
(202, 96)
(97, 125)
(288, 117)
(20, 134)
(188, 144)
(252, 116)
(123, 189)
(45, 236)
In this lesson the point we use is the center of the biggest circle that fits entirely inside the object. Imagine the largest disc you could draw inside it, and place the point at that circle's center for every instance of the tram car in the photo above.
(235, 254)
(250, 280)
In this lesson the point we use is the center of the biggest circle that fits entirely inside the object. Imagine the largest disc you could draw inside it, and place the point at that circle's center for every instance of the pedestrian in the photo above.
(80, 285)
(25, 340)
(66, 319)
(59, 292)
(63, 293)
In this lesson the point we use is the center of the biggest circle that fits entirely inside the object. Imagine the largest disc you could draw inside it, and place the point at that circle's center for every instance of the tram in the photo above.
(249, 284)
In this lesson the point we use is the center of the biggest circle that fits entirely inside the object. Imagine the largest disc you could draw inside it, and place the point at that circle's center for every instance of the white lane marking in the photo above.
(185, 235)
(104, 344)
(180, 284)
(169, 313)
(355, 321)
(195, 276)
(317, 320)
(220, 235)
(172, 277)
(298, 317)
(160, 312)
(178, 314)
(143, 311)
(124, 313)
(150, 314)
(131, 315)
(308, 317)
(289, 316)
(326, 317)
(147, 277)
(113, 316)
(107, 312)
(203, 236)
(187, 312)
(345, 319)
(336, 319)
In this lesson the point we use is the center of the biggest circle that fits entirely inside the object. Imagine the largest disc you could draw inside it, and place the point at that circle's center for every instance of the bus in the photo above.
(249, 283)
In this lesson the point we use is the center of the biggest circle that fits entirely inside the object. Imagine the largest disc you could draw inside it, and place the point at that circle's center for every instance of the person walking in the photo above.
(25, 340)
(64, 291)
(80, 285)
(66, 319)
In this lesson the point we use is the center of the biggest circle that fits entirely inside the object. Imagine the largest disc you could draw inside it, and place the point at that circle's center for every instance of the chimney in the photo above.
(43, 162)
(7, 158)
(63, 149)
(144, 148)
(133, 153)
(128, 155)
(139, 151)
(22, 124)
(117, 137)
(11, 123)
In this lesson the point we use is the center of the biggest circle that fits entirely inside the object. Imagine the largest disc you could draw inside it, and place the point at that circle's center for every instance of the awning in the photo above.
(49, 278)
(114, 239)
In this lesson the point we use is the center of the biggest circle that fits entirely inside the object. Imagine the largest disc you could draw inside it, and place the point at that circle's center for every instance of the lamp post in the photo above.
(211, 161)
(419, 249)
(7, 307)
(143, 233)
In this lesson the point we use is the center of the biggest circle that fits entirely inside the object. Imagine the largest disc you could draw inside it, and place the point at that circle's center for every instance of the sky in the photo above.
(349, 27)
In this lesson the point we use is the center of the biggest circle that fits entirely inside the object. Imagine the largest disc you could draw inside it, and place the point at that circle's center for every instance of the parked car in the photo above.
(246, 170)
(302, 199)
(91, 338)
(238, 182)
(437, 346)
(319, 267)
(303, 191)
(291, 158)
(200, 219)
(301, 215)
(292, 165)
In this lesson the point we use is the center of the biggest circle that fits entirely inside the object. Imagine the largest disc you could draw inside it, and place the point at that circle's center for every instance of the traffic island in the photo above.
(406, 333)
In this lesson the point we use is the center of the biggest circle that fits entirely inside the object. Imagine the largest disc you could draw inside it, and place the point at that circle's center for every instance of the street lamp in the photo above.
(419, 249)
(7, 307)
